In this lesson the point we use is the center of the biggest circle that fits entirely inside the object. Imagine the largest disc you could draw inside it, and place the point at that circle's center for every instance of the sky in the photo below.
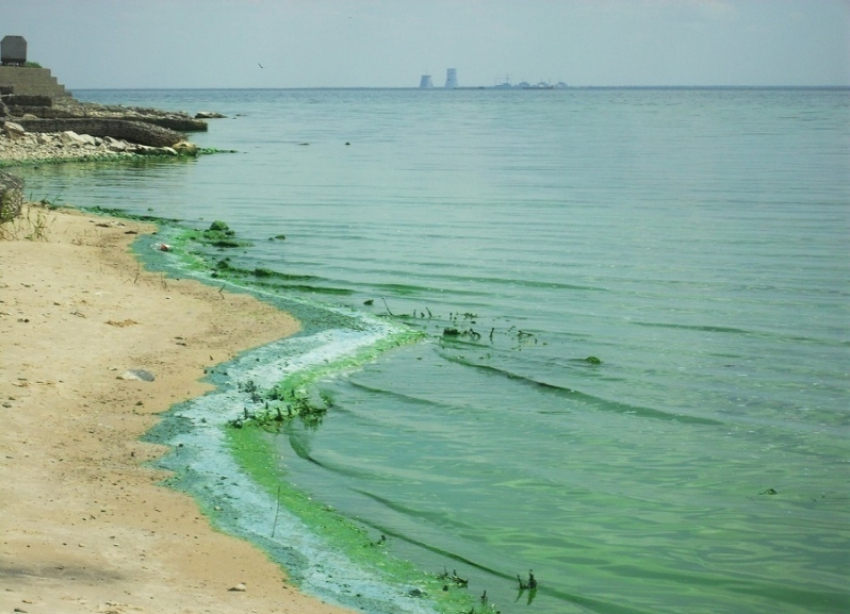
(391, 43)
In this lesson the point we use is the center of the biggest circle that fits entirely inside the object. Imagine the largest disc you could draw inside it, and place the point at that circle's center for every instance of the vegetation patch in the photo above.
(281, 404)
(217, 235)
(33, 224)
(252, 449)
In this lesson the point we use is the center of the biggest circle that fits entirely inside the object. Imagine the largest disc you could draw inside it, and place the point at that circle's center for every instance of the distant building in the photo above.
(425, 82)
(451, 78)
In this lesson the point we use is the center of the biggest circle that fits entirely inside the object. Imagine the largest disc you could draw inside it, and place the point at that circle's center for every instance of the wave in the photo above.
(586, 399)
(697, 327)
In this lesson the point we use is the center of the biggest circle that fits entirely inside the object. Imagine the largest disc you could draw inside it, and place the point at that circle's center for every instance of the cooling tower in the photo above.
(451, 78)
(425, 82)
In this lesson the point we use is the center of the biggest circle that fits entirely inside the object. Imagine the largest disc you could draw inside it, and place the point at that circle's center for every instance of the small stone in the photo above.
(239, 588)
(13, 130)
(138, 375)
(69, 138)
(185, 148)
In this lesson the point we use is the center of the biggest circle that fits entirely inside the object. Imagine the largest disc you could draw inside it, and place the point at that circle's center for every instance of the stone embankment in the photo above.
(69, 108)
(132, 131)
(41, 129)
(18, 145)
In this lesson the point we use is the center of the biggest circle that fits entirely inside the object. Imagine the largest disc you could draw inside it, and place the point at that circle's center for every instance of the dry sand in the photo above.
(84, 525)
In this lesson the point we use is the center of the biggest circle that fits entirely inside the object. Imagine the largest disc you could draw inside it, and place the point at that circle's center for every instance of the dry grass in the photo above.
(33, 224)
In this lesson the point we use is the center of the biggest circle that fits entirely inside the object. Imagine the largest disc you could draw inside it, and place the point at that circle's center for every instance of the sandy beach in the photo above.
(84, 524)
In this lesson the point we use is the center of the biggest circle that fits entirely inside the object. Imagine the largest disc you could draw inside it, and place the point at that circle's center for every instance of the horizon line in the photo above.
(473, 87)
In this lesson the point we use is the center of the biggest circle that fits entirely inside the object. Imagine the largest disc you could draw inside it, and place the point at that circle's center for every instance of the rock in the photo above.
(78, 140)
(11, 196)
(180, 124)
(69, 138)
(208, 115)
(20, 100)
(67, 108)
(139, 132)
(239, 588)
(144, 150)
(13, 129)
(162, 151)
(185, 148)
(115, 144)
(137, 375)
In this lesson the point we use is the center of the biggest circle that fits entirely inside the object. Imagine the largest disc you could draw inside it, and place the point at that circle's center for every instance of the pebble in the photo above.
(137, 374)
(49, 146)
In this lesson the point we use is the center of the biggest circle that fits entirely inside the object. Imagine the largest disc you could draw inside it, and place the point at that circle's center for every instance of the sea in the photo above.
(565, 351)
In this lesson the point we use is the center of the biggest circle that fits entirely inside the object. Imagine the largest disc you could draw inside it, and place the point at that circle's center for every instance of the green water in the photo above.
(694, 241)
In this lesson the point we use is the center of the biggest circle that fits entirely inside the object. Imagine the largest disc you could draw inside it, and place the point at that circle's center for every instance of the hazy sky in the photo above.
(390, 43)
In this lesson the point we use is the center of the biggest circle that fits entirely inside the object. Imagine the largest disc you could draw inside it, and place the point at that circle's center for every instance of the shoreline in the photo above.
(86, 525)
(44, 130)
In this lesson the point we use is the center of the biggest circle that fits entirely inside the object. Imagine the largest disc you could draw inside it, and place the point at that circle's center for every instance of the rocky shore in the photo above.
(44, 107)
(17, 145)
(37, 129)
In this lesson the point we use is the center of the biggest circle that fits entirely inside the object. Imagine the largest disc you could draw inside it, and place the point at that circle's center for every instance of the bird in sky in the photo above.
(260, 65)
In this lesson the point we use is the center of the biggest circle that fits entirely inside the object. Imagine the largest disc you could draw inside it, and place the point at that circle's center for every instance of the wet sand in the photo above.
(84, 524)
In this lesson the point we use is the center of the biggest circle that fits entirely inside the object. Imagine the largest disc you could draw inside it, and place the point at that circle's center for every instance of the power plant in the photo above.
(425, 83)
